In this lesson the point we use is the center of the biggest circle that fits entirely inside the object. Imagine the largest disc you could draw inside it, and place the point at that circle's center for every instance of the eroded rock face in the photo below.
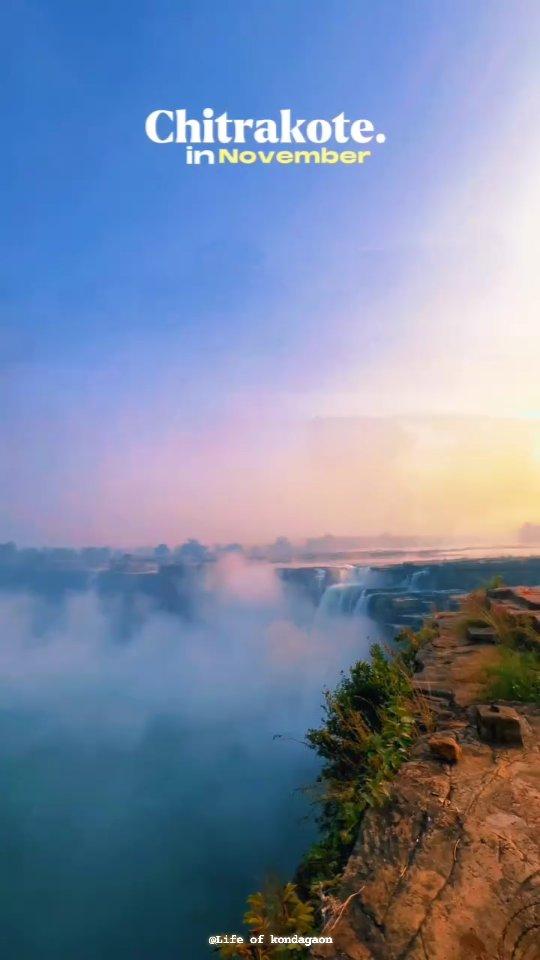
(450, 868)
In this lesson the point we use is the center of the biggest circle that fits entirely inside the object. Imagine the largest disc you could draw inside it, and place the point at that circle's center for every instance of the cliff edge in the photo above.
(449, 868)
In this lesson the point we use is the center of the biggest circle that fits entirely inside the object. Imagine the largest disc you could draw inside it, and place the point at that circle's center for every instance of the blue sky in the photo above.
(141, 296)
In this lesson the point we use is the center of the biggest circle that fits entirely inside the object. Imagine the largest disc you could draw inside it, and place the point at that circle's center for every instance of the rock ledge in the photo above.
(449, 869)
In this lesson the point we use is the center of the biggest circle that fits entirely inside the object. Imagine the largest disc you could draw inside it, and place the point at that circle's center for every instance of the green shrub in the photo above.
(494, 582)
(363, 741)
(410, 642)
(277, 910)
(515, 677)
(365, 737)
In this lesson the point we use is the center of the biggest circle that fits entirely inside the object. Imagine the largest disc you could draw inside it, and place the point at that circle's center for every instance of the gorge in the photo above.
(146, 790)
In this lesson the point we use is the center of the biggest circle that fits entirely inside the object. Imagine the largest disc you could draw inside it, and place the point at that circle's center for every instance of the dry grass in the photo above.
(511, 630)
(475, 668)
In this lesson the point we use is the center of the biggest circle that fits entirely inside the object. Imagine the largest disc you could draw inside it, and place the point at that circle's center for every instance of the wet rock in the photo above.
(407, 604)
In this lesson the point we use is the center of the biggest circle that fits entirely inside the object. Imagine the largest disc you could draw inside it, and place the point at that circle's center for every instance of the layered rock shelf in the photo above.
(449, 868)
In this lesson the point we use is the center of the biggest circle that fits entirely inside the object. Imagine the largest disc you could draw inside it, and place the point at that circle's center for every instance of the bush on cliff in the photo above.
(367, 731)
(410, 642)
(277, 911)
(368, 728)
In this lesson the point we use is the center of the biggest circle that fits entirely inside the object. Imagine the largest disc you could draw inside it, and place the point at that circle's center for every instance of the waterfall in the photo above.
(330, 601)
(362, 604)
(351, 596)
(336, 599)
(415, 581)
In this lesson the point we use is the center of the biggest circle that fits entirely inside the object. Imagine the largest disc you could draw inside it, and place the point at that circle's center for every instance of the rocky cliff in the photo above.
(449, 868)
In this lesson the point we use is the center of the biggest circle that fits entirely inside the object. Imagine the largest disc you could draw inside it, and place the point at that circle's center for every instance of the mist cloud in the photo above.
(249, 647)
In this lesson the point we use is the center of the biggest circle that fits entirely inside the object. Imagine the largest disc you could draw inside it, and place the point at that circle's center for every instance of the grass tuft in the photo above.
(515, 677)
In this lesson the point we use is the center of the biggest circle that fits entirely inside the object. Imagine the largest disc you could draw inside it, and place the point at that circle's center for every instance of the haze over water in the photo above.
(143, 795)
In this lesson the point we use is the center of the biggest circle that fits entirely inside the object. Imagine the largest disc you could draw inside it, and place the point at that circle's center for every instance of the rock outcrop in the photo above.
(449, 868)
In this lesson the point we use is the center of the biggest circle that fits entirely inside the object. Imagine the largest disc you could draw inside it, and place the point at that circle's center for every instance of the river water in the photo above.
(143, 793)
